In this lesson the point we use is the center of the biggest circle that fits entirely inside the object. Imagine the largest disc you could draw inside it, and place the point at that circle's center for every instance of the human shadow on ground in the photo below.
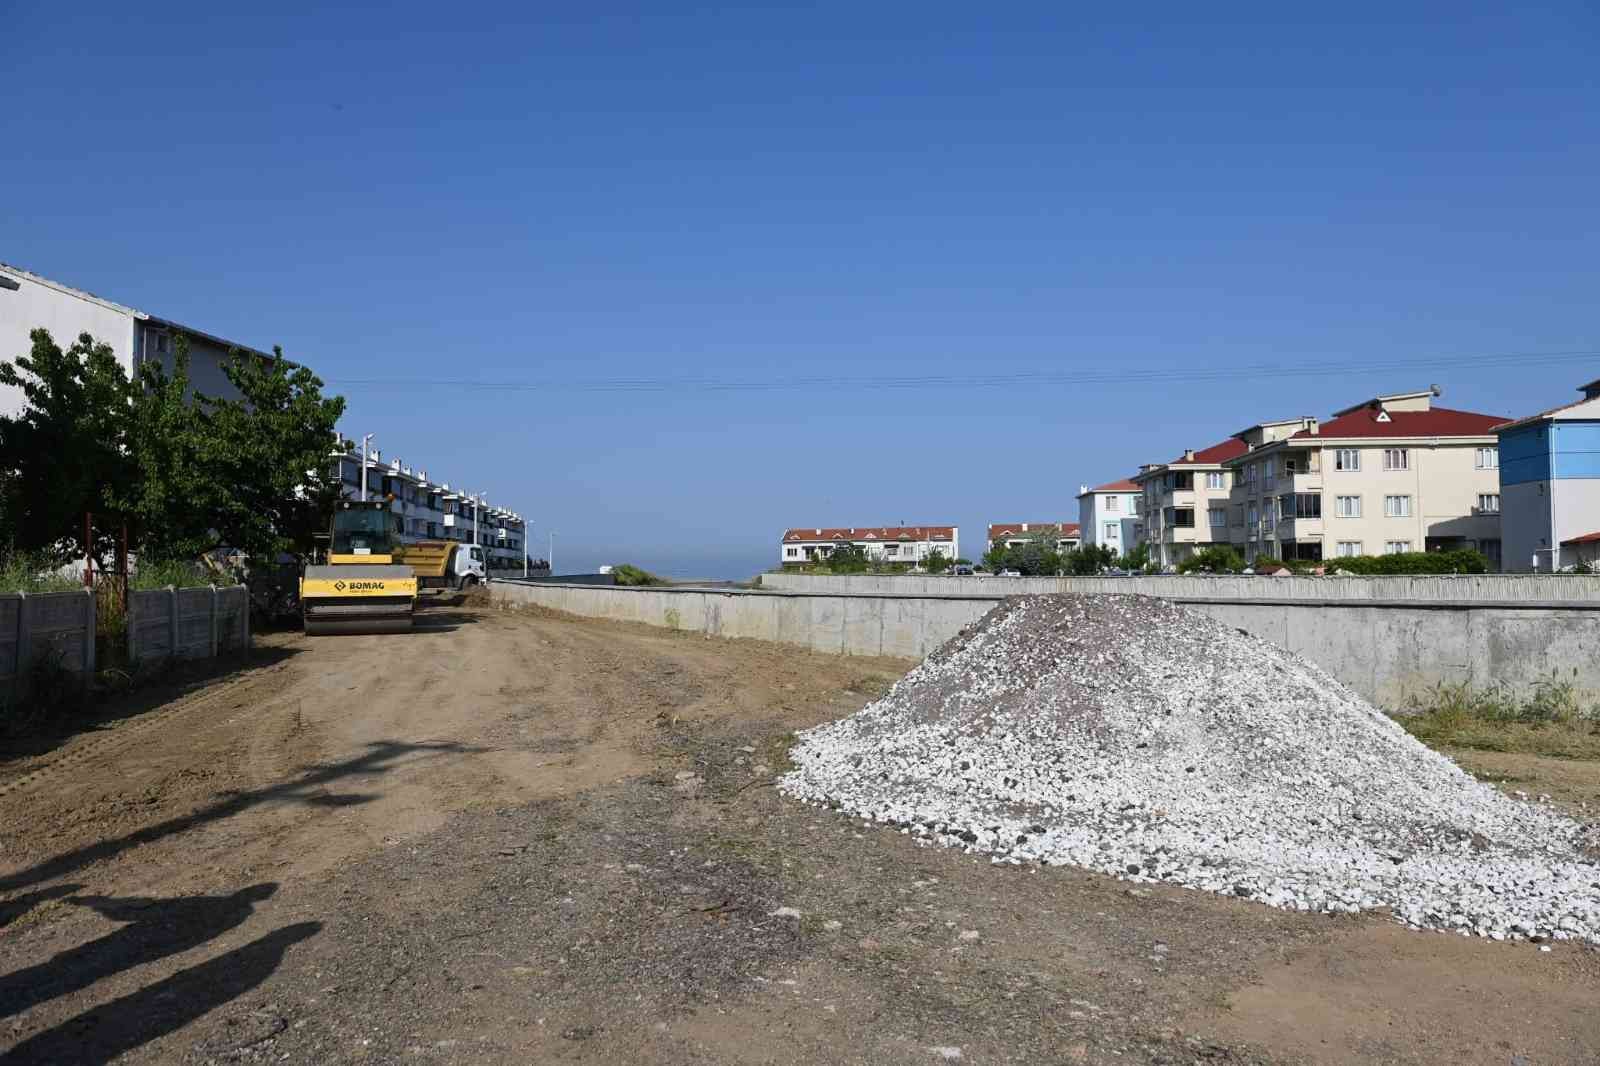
(102, 1033)
(380, 757)
(155, 929)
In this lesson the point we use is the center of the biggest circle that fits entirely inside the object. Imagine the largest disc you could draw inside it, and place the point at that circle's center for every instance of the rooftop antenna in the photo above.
(1436, 390)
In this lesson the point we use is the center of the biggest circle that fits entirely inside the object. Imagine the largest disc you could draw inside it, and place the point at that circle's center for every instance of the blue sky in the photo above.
(543, 194)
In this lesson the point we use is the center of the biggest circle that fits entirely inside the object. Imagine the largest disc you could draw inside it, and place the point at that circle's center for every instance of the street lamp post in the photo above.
(550, 561)
(364, 442)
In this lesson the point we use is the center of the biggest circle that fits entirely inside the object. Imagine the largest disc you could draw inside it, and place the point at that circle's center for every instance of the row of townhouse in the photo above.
(888, 544)
(431, 510)
(1392, 474)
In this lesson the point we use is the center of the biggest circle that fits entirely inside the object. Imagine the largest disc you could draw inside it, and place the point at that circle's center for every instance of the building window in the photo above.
(1396, 547)
(1180, 517)
(1397, 506)
(1487, 459)
(891, 549)
(1396, 459)
(1300, 505)
(1348, 549)
(1252, 521)
(1270, 480)
(1268, 519)
(1250, 473)
(1489, 502)
(1347, 459)
(1113, 503)
(1347, 506)
(1216, 479)
(1110, 531)
(1183, 481)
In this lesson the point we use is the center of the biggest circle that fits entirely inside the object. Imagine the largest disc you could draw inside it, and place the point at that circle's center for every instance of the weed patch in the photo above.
(1551, 721)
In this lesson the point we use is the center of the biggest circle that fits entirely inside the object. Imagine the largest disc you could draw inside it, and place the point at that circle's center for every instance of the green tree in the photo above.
(1136, 560)
(1088, 560)
(848, 559)
(251, 473)
(1217, 559)
(997, 558)
(66, 451)
(936, 562)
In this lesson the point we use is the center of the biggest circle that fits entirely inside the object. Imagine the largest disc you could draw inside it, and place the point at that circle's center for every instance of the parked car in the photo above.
(962, 571)
(1010, 573)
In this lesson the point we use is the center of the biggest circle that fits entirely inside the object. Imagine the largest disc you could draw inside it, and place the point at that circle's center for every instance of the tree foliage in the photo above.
(1217, 559)
(188, 472)
(937, 562)
(1137, 560)
(66, 451)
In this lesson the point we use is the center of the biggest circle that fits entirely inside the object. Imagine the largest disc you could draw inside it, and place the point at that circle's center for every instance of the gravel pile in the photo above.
(1131, 736)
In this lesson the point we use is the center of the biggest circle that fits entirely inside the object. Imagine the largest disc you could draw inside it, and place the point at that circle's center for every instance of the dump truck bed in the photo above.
(429, 559)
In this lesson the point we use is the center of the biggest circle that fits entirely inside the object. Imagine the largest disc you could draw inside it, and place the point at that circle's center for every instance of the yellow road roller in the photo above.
(361, 588)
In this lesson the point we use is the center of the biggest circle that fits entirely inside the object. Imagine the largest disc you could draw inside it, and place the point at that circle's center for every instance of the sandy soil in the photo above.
(519, 837)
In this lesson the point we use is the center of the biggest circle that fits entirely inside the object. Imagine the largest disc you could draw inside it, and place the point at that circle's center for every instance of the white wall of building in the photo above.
(1111, 519)
(35, 304)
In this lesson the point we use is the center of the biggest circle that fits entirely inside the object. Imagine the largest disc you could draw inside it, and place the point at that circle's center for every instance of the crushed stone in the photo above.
(1132, 736)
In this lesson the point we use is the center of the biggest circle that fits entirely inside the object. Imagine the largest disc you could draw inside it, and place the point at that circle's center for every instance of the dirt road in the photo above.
(522, 838)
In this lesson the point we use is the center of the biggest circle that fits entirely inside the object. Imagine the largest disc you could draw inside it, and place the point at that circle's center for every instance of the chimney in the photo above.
(1024, 527)
(1590, 391)
(1082, 489)
(819, 532)
(1188, 455)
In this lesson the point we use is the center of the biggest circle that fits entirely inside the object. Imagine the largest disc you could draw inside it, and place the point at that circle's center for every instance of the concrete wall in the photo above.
(1463, 589)
(58, 624)
(1388, 649)
(194, 623)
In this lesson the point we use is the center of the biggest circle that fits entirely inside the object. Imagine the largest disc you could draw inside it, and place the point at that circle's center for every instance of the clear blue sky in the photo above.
(577, 193)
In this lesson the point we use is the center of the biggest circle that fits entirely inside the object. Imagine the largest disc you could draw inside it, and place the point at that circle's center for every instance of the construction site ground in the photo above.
(517, 837)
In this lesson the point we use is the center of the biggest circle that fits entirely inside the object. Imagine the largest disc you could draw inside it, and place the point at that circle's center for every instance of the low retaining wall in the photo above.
(1474, 589)
(1389, 651)
(56, 624)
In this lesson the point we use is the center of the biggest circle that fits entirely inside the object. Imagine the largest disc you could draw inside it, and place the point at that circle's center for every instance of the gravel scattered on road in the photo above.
(1132, 736)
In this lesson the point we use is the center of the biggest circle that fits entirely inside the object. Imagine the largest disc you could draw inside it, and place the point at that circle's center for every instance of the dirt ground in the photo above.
(525, 838)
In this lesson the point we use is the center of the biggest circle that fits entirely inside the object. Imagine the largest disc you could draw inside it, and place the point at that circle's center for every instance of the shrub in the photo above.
(628, 574)
(1446, 562)
(937, 562)
(1217, 559)
(32, 573)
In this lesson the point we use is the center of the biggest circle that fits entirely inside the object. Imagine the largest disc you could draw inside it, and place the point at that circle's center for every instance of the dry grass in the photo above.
(1551, 722)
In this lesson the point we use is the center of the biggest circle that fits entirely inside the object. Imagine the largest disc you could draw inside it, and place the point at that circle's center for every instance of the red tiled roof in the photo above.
(1587, 538)
(1438, 422)
(1217, 453)
(1011, 529)
(1113, 486)
(840, 534)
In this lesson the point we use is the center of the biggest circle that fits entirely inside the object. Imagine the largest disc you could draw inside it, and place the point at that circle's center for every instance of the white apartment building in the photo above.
(1391, 474)
(1185, 501)
(889, 544)
(1112, 515)
(1550, 481)
(1063, 535)
(29, 302)
(432, 510)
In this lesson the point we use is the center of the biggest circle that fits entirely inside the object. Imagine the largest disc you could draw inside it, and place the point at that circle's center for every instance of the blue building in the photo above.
(1550, 486)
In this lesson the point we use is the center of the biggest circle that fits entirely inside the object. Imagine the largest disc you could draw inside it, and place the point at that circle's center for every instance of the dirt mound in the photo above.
(1132, 736)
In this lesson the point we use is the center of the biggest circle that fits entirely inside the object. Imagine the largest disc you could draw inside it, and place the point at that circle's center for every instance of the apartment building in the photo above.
(1185, 501)
(1550, 481)
(889, 544)
(1391, 474)
(29, 302)
(432, 510)
(1112, 515)
(1063, 535)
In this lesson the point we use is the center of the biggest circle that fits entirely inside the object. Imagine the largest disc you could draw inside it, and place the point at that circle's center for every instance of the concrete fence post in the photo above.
(88, 636)
(24, 642)
(216, 620)
(244, 614)
(172, 620)
(132, 622)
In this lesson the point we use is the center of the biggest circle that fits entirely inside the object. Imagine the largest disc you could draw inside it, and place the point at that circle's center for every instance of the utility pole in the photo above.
(551, 561)
(477, 506)
(364, 442)
(525, 527)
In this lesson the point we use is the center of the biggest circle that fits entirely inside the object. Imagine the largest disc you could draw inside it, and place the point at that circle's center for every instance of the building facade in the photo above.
(1064, 536)
(29, 302)
(1388, 475)
(432, 510)
(1550, 486)
(888, 544)
(1185, 501)
(1112, 515)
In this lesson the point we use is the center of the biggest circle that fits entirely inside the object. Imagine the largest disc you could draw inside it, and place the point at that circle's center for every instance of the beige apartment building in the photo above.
(1185, 501)
(1391, 474)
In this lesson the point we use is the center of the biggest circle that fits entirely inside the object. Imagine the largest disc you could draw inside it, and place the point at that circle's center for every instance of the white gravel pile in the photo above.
(1129, 735)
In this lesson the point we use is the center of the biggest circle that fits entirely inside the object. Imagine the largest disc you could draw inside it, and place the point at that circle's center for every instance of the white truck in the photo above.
(442, 565)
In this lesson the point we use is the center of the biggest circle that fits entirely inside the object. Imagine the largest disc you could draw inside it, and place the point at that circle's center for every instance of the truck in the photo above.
(444, 566)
